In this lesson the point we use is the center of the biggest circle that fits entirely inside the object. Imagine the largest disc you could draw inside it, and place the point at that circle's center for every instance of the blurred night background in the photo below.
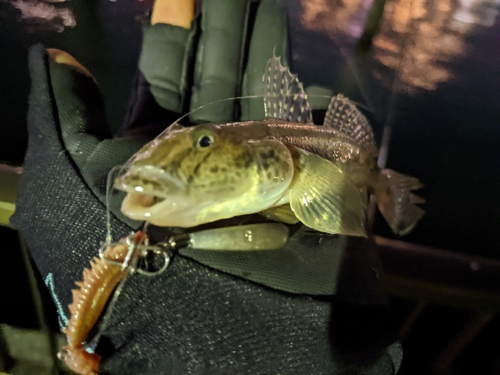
(428, 70)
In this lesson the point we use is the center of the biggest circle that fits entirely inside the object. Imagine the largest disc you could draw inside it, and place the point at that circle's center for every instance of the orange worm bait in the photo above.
(118, 260)
(89, 300)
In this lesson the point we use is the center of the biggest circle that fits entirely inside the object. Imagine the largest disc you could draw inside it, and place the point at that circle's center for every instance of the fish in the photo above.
(283, 167)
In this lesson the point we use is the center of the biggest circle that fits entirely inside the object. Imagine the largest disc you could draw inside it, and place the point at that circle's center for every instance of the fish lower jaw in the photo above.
(139, 206)
(147, 200)
(162, 214)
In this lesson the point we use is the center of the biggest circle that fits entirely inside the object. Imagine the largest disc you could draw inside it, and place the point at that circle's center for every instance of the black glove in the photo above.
(192, 318)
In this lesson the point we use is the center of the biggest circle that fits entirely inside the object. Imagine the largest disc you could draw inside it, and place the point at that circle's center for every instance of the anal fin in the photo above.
(283, 214)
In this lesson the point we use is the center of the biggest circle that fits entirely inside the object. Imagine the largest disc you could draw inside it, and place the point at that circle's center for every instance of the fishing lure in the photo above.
(89, 300)
(118, 260)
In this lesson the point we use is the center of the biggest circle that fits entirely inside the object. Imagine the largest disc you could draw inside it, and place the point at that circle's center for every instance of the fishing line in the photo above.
(176, 122)
(109, 187)
(214, 102)
(128, 266)
(351, 65)
(133, 259)
(391, 112)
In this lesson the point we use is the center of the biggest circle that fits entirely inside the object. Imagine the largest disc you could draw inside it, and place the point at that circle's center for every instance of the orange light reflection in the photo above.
(44, 13)
(345, 17)
(425, 43)
(417, 38)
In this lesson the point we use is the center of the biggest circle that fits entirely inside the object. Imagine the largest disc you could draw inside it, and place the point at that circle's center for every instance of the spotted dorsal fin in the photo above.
(284, 95)
(343, 116)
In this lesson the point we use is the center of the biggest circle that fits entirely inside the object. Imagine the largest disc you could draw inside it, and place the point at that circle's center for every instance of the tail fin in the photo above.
(396, 202)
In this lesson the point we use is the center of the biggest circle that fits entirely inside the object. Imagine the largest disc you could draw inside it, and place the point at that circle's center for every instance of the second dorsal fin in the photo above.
(284, 95)
(343, 116)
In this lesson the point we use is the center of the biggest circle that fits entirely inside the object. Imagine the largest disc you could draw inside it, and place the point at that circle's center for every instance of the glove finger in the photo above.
(83, 126)
(270, 33)
(219, 59)
(144, 115)
(77, 97)
(79, 103)
(164, 62)
(41, 107)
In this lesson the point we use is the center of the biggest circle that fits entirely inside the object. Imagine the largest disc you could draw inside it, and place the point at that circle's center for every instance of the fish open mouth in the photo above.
(141, 206)
(144, 200)
(137, 196)
(147, 186)
(153, 196)
(157, 210)
(140, 203)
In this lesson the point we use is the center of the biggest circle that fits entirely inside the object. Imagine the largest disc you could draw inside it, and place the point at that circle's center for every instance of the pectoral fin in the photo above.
(325, 199)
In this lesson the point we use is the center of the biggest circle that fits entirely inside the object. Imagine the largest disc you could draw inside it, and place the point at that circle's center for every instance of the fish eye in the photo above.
(205, 141)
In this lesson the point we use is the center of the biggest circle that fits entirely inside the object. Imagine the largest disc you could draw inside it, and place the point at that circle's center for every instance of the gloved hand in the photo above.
(192, 318)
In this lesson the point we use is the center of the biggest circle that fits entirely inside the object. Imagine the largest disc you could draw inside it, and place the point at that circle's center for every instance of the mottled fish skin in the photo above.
(198, 168)
(247, 168)
(233, 156)
(233, 175)
(325, 142)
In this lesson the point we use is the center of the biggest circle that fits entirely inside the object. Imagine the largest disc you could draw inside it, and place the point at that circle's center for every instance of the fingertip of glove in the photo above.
(64, 58)
(174, 12)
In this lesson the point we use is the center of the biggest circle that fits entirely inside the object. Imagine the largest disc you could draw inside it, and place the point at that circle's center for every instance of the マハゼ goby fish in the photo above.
(283, 167)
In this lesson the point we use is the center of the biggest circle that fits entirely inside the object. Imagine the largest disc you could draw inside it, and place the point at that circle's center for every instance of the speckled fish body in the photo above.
(328, 143)
(201, 184)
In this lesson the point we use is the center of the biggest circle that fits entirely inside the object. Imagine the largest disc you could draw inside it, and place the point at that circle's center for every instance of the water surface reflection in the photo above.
(417, 38)
(45, 15)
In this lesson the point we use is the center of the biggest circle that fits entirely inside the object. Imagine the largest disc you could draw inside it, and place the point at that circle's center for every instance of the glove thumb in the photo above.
(80, 106)
(78, 111)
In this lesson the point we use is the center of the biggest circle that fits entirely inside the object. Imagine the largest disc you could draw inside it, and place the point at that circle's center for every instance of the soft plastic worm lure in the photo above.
(108, 273)
(89, 300)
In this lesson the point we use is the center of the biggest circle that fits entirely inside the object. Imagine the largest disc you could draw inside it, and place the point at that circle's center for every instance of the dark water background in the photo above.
(430, 71)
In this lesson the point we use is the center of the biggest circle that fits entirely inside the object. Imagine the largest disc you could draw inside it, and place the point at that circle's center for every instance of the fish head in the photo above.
(191, 176)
